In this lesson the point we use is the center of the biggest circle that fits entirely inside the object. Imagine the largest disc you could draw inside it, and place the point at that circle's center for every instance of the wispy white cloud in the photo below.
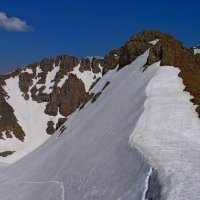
(13, 23)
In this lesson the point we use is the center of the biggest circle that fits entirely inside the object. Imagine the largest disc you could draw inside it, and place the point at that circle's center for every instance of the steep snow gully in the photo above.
(95, 157)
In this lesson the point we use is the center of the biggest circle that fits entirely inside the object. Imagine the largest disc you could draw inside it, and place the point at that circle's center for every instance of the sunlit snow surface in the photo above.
(62, 81)
(196, 51)
(168, 134)
(88, 77)
(154, 42)
(92, 159)
(28, 70)
(50, 79)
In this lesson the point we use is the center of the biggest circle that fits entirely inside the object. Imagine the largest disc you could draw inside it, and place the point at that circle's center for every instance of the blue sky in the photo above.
(81, 28)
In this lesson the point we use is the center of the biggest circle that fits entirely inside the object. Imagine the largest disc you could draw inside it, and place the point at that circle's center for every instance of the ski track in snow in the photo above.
(61, 184)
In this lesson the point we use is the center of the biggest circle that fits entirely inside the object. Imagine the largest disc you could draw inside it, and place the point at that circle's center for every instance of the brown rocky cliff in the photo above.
(71, 96)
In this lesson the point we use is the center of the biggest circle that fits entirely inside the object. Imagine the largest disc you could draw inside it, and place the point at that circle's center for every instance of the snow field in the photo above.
(168, 134)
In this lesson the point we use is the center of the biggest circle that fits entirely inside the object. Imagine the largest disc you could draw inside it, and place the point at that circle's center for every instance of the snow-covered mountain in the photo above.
(132, 128)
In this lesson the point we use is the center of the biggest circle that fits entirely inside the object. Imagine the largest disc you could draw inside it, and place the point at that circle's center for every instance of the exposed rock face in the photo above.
(59, 84)
(67, 63)
(71, 96)
(168, 50)
(6, 153)
(50, 128)
(95, 65)
(25, 80)
(8, 122)
(61, 121)
(85, 64)
(91, 64)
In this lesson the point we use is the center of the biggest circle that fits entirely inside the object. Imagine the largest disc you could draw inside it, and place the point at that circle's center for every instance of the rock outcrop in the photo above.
(8, 122)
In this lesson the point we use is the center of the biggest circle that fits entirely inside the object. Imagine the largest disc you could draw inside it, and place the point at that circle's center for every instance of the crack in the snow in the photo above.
(146, 184)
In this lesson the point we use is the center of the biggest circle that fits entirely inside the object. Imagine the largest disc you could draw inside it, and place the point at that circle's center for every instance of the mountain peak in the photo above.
(166, 49)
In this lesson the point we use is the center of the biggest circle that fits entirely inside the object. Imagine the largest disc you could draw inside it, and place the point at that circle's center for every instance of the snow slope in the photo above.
(168, 134)
(49, 80)
(92, 158)
(26, 112)
(88, 77)
(154, 42)
(196, 51)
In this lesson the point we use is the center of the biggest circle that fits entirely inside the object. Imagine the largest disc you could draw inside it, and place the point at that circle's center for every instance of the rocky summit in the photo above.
(113, 118)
